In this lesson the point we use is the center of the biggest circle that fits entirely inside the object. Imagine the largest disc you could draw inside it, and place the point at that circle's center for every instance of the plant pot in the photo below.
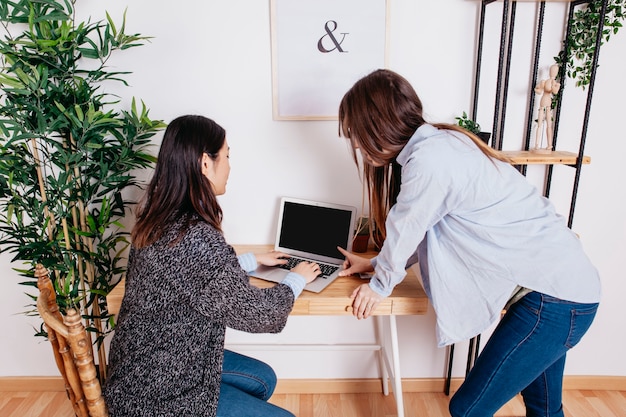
(378, 240)
(484, 136)
(359, 244)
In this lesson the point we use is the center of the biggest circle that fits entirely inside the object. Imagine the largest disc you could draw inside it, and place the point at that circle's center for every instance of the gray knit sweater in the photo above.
(166, 353)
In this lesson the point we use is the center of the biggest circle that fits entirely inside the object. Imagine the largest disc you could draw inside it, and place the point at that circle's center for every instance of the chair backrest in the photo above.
(72, 350)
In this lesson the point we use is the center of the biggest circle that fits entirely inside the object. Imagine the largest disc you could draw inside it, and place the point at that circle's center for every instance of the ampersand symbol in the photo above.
(329, 33)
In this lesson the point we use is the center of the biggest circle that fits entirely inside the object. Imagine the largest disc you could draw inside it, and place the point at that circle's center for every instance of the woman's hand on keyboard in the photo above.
(272, 258)
(309, 270)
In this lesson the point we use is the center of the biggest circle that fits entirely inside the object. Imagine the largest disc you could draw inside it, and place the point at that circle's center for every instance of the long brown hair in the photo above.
(379, 114)
(178, 189)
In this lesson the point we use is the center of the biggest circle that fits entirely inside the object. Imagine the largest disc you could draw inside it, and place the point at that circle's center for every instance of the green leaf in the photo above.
(12, 82)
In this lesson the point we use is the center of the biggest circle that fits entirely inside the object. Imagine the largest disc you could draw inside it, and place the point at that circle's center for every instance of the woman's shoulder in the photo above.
(439, 151)
(429, 141)
(201, 231)
(189, 232)
(201, 241)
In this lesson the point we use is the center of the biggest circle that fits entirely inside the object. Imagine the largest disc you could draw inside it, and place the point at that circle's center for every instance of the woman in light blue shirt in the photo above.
(485, 239)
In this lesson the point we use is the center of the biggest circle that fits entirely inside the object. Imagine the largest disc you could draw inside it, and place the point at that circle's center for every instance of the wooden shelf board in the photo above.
(552, 158)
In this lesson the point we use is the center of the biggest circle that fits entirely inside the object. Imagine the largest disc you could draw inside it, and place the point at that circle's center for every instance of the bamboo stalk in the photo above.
(89, 271)
(42, 190)
(51, 226)
(68, 247)
(77, 239)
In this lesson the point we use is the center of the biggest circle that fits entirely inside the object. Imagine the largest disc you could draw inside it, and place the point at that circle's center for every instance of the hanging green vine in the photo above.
(578, 50)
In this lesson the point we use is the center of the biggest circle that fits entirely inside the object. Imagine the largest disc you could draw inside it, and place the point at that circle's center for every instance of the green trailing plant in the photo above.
(577, 54)
(67, 155)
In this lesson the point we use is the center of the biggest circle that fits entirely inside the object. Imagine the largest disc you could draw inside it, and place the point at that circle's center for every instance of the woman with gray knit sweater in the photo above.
(185, 285)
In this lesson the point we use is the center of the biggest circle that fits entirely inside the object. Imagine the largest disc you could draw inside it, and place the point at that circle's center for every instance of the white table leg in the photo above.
(389, 347)
(379, 328)
(395, 357)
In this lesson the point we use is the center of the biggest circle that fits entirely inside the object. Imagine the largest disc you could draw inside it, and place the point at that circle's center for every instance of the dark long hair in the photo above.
(178, 189)
(379, 114)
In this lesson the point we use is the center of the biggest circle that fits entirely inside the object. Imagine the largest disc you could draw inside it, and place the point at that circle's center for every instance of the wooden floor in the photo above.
(577, 403)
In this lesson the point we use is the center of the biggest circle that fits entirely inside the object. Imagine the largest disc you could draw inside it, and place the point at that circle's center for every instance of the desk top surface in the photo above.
(408, 297)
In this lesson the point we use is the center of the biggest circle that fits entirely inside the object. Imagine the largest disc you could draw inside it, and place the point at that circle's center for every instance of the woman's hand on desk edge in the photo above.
(365, 301)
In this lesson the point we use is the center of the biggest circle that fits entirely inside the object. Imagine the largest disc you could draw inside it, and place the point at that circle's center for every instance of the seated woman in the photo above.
(185, 285)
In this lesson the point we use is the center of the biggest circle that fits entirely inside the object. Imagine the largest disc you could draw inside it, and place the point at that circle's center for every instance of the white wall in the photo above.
(213, 58)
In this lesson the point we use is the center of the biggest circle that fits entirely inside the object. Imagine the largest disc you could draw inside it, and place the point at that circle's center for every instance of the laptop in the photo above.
(311, 231)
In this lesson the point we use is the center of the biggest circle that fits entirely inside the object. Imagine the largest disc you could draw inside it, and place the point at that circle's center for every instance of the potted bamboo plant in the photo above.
(67, 155)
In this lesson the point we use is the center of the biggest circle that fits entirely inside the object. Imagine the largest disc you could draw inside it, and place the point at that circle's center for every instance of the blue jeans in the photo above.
(526, 354)
(246, 386)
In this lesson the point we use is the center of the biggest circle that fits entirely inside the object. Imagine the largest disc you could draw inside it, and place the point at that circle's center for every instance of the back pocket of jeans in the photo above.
(580, 320)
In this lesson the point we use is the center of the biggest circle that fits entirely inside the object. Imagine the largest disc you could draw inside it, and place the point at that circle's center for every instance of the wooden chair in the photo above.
(72, 351)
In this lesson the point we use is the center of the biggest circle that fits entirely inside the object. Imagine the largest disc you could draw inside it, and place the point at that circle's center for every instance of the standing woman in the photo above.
(485, 239)
(184, 286)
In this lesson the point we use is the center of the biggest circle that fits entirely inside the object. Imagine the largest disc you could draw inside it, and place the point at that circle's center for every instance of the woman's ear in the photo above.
(206, 165)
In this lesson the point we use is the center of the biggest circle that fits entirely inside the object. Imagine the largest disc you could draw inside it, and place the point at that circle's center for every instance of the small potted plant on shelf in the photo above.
(361, 235)
(472, 126)
(364, 231)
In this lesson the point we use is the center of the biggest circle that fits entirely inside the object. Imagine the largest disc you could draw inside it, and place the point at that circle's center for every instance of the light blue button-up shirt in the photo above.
(479, 230)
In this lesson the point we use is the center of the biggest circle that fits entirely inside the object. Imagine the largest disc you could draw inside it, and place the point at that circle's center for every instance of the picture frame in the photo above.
(320, 48)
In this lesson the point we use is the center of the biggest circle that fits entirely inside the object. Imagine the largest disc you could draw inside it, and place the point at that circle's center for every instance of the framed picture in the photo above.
(320, 48)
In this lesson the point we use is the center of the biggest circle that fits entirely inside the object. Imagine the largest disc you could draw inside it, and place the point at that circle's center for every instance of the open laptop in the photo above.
(311, 231)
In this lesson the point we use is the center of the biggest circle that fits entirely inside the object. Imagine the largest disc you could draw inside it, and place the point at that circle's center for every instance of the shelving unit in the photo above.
(526, 157)
(522, 158)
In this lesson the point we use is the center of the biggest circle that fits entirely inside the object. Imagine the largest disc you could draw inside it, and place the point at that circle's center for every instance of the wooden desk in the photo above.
(408, 298)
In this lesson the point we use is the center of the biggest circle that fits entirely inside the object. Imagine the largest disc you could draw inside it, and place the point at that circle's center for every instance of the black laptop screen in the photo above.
(315, 229)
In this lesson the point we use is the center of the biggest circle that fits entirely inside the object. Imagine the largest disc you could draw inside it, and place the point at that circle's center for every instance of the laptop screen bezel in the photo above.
(320, 258)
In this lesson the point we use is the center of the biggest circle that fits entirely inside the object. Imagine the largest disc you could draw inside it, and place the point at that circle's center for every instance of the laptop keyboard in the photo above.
(326, 269)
